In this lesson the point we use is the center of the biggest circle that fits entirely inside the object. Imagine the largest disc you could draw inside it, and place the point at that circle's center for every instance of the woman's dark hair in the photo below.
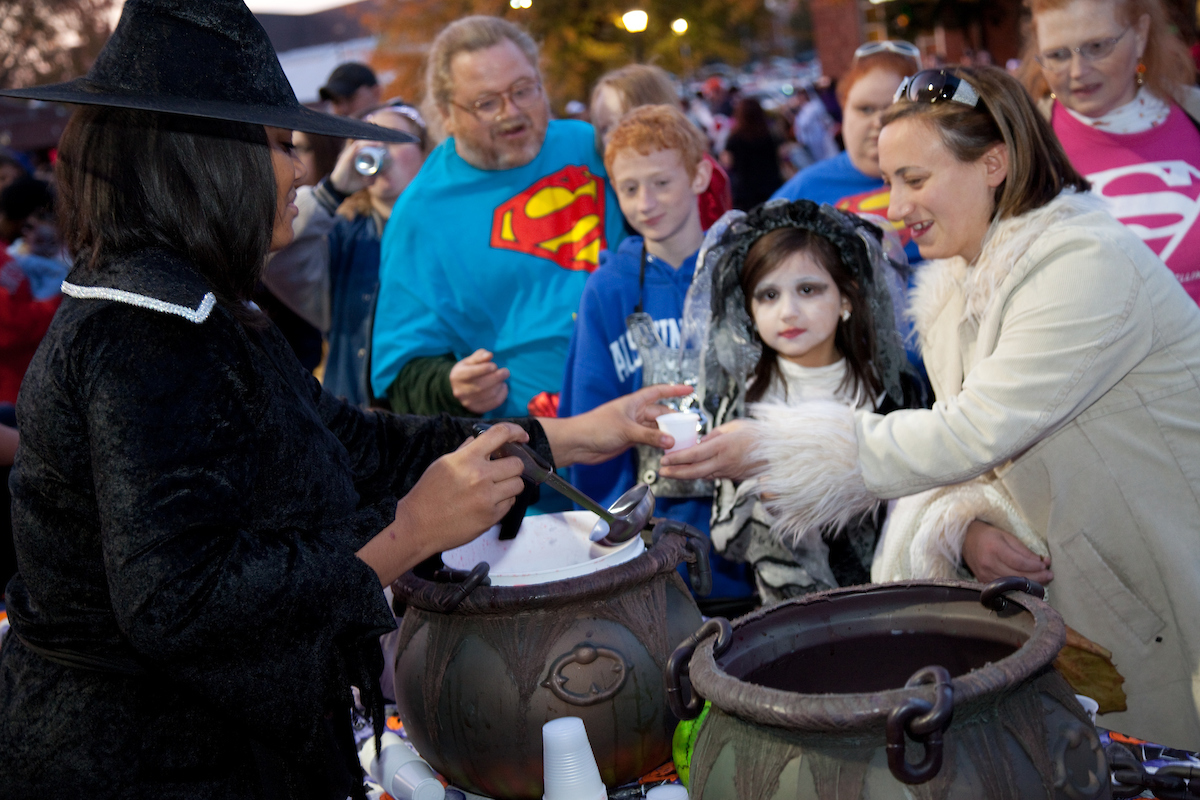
(749, 120)
(1038, 168)
(204, 189)
(854, 338)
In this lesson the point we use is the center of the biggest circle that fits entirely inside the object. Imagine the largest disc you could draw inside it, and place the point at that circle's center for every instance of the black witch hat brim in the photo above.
(209, 59)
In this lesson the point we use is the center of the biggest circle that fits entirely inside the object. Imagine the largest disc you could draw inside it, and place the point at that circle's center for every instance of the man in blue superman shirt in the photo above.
(487, 252)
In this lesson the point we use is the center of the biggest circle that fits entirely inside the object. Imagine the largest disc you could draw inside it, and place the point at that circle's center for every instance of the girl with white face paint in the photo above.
(803, 284)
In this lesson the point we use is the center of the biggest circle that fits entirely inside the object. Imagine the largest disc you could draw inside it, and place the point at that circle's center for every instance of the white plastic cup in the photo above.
(569, 767)
(668, 791)
(683, 426)
(399, 770)
(1089, 705)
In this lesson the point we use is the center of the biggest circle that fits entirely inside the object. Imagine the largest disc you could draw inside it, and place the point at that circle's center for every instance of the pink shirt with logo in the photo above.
(1149, 180)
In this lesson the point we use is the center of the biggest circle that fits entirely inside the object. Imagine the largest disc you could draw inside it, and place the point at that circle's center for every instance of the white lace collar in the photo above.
(196, 315)
(1143, 112)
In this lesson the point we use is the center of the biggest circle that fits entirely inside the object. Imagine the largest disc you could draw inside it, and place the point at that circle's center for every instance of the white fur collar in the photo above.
(1005, 245)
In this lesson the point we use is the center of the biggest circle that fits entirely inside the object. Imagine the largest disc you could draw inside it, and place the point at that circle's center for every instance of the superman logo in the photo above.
(874, 202)
(560, 218)
(1157, 200)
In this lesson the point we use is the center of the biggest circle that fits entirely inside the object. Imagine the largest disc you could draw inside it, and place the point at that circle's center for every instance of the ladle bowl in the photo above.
(630, 513)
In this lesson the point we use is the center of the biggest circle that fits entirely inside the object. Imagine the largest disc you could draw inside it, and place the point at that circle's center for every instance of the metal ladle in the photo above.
(619, 523)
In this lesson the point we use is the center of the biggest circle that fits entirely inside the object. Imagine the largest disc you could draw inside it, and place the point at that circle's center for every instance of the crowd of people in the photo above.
(963, 343)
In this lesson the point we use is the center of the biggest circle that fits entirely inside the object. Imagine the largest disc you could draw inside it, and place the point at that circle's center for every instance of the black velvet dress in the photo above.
(189, 613)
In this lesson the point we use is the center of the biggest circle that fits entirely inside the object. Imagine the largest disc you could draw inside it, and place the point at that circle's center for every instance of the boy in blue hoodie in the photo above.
(655, 162)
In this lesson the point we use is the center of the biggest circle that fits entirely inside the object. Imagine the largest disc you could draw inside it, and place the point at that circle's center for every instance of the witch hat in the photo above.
(200, 58)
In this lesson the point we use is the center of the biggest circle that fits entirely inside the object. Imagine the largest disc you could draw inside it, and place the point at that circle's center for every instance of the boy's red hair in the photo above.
(648, 129)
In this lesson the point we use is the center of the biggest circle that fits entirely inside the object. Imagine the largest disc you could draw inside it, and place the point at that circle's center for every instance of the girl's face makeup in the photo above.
(796, 308)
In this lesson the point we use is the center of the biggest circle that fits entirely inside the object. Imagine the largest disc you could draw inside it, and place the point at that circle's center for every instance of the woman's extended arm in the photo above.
(611, 429)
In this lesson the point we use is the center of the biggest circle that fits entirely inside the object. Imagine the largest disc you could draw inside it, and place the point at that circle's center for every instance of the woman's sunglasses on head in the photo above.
(906, 49)
(933, 85)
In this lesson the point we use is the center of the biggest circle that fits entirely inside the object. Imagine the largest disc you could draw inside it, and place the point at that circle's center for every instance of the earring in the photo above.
(845, 314)
(1141, 72)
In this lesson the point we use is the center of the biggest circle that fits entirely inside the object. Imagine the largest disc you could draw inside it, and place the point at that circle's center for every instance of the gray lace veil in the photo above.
(715, 319)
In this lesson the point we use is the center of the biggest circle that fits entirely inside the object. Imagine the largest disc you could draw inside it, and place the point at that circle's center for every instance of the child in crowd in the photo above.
(655, 160)
(622, 90)
(801, 312)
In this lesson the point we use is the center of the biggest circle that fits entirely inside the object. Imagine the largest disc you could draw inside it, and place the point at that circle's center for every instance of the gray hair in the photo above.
(466, 36)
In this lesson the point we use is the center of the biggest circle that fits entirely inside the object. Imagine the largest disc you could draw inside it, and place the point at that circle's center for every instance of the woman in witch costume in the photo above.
(202, 533)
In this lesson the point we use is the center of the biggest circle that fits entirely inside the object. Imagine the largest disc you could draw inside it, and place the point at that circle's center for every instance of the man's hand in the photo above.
(478, 383)
(727, 452)
(345, 178)
(459, 496)
(991, 553)
(611, 429)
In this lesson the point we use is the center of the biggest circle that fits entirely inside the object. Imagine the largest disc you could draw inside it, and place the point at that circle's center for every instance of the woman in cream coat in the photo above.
(1065, 441)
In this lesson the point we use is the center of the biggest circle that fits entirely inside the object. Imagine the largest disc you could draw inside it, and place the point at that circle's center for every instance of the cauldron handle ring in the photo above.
(993, 597)
(924, 722)
(556, 682)
(685, 703)
(474, 579)
(698, 567)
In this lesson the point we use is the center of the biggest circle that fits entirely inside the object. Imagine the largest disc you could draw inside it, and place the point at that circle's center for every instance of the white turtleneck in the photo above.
(807, 383)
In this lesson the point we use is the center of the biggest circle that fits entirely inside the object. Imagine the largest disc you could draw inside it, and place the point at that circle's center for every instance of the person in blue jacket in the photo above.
(330, 272)
(655, 160)
(852, 180)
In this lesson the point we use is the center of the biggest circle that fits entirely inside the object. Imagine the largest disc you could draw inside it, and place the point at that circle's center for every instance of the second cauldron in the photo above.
(932, 690)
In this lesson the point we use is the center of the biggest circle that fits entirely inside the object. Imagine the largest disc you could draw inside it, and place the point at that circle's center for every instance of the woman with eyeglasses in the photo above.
(1119, 89)
(1065, 441)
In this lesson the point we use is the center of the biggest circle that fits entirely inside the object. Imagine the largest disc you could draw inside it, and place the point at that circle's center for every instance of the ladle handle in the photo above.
(538, 471)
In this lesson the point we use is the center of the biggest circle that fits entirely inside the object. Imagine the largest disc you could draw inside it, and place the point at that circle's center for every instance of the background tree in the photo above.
(43, 41)
(580, 40)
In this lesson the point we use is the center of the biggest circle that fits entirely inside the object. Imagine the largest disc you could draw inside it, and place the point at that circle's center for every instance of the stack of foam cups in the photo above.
(399, 770)
(569, 767)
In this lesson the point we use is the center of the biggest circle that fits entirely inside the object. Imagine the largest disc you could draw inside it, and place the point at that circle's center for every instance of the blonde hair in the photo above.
(1038, 169)
(468, 35)
(648, 129)
(1169, 65)
(639, 85)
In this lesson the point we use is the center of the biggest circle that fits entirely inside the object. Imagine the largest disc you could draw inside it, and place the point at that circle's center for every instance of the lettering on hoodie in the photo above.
(626, 359)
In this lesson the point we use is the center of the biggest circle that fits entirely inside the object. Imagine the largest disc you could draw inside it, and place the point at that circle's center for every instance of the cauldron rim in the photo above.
(830, 713)
(662, 556)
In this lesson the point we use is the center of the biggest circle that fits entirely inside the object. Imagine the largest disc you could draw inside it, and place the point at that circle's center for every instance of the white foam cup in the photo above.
(399, 770)
(569, 767)
(683, 426)
(1089, 705)
(668, 791)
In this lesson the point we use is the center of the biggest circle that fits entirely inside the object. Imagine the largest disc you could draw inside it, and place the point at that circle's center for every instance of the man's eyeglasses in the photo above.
(523, 94)
(906, 49)
(1059, 59)
(932, 85)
